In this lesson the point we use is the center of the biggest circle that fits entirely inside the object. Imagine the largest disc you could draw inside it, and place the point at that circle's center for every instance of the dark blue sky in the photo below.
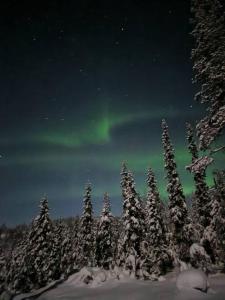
(84, 86)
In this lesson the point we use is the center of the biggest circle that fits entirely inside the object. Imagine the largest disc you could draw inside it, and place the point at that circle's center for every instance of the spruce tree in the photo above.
(209, 60)
(75, 242)
(21, 273)
(86, 238)
(133, 227)
(213, 238)
(154, 221)
(3, 271)
(177, 205)
(155, 257)
(201, 194)
(104, 238)
(214, 234)
(35, 260)
(64, 246)
(42, 247)
(124, 179)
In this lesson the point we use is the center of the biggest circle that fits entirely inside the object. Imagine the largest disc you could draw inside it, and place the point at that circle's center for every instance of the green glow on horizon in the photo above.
(138, 163)
(97, 128)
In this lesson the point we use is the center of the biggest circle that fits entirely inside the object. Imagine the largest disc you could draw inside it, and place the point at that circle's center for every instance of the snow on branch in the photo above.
(200, 164)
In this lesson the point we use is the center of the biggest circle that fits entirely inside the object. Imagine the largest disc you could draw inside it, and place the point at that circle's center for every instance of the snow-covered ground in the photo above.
(132, 289)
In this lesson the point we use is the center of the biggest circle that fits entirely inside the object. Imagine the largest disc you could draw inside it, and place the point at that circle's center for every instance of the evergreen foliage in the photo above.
(35, 262)
(155, 258)
(133, 226)
(177, 206)
(104, 239)
(209, 60)
(201, 194)
(86, 237)
(213, 238)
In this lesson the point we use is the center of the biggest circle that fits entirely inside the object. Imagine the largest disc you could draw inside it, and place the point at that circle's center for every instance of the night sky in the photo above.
(84, 86)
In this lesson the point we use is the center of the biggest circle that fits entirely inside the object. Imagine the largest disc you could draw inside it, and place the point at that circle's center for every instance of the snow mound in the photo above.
(192, 279)
(83, 277)
(90, 276)
(196, 250)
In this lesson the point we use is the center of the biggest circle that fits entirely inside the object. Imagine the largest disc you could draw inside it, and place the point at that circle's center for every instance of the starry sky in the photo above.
(84, 86)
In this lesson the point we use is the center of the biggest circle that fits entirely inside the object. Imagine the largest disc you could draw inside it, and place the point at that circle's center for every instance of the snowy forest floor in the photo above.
(135, 290)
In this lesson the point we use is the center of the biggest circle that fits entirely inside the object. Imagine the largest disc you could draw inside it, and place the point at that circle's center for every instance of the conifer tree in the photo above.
(213, 238)
(75, 241)
(155, 257)
(86, 238)
(177, 205)
(154, 221)
(124, 179)
(201, 195)
(2, 271)
(209, 60)
(104, 239)
(64, 244)
(42, 247)
(19, 277)
(133, 226)
(35, 261)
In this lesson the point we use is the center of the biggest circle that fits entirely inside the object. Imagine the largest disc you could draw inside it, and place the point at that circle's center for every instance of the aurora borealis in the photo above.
(84, 86)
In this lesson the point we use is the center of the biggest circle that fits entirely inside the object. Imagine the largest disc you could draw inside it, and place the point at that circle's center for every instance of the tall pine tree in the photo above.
(177, 205)
(133, 227)
(35, 262)
(209, 60)
(155, 257)
(64, 246)
(201, 195)
(86, 238)
(42, 247)
(124, 179)
(104, 238)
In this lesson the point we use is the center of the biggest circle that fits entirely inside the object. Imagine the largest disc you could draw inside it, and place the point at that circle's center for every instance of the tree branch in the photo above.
(217, 150)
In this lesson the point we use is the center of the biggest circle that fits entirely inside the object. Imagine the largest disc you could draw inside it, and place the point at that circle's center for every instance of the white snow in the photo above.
(133, 289)
(192, 279)
(197, 249)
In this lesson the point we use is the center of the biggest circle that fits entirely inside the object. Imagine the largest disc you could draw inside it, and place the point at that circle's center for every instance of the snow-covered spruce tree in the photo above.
(3, 271)
(213, 238)
(64, 246)
(85, 255)
(209, 61)
(74, 228)
(155, 257)
(35, 261)
(219, 189)
(43, 249)
(20, 273)
(177, 205)
(116, 239)
(201, 194)
(124, 179)
(133, 228)
(219, 180)
(104, 239)
(119, 253)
